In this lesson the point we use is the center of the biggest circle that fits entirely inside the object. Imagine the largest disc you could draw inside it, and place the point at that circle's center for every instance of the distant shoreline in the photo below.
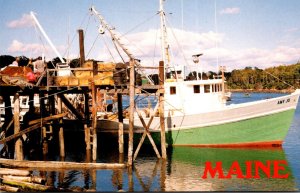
(262, 90)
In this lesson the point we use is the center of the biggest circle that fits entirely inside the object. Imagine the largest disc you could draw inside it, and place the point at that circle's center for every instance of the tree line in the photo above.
(274, 78)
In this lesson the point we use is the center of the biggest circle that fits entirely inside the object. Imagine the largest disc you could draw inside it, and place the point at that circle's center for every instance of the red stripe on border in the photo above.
(237, 145)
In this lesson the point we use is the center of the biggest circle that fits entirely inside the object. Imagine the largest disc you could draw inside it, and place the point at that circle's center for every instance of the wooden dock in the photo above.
(92, 82)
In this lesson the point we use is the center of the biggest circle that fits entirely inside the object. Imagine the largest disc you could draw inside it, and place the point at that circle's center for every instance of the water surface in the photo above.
(184, 167)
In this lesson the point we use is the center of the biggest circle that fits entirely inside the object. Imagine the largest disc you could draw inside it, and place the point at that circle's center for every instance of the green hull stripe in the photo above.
(261, 129)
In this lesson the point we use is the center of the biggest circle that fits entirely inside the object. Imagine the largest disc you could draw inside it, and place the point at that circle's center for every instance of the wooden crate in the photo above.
(73, 81)
(61, 80)
(106, 66)
(83, 74)
(106, 81)
(88, 64)
(84, 81)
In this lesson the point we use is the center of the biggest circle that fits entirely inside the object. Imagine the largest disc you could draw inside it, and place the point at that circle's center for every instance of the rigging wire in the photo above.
(178, 44)
(138, 25)
(110, 53)
(73, 38)
(92, 45)
(216, 31)
(118, 51)
(278, 79)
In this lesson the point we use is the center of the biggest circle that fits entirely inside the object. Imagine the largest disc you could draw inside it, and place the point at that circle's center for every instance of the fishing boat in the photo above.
(196, 112)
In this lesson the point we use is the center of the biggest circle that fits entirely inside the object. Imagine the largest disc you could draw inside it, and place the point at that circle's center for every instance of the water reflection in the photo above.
(187, 166)
(182, 171)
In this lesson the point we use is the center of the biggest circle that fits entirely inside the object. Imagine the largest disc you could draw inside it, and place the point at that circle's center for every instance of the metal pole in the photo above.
(46, 36)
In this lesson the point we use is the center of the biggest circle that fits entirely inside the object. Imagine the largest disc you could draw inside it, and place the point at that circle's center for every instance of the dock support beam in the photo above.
(61, 130)
(94, 123)
(121, 125)
(18, 144)
(162, 110)
(81, 47)
(131, 111)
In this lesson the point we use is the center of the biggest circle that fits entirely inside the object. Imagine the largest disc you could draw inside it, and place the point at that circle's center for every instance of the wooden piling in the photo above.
(81, 47)
(94, 122)
(131, 111)
(130, 178)
(18, 144)
(87, 119)
(61, 130)
(121, 125)
(163, 174)
(87, 138)
(162, 110)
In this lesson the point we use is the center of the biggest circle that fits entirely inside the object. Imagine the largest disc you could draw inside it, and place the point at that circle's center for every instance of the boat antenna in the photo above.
(216, 30)
(163, 29)
(116, 39)
(46, 36)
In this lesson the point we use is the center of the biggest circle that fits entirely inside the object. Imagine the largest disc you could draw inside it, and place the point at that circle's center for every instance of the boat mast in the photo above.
(46, 36)
(163, 30)
(116, 39)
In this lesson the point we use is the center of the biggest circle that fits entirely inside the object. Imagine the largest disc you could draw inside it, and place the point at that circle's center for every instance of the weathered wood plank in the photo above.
(6, 188)
(31, 179)
(31, 128)
(60, 164)
(162, 111)
(18, 144)
(27, 185)
(16, 172)
(52, 117)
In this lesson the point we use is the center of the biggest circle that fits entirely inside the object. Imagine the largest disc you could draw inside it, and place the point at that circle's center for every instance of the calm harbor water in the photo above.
(183, 168)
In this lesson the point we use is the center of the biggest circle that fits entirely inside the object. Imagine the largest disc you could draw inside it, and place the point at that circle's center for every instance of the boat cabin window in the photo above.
(172, 90)
(207, 88)
(196, 88)
(216, 88)
(24, 100)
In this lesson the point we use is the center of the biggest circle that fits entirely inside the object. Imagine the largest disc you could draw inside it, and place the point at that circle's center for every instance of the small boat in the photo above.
(196, 113)
(247, 94)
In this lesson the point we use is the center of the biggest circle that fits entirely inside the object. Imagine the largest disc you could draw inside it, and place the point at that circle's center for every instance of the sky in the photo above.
(231, 33)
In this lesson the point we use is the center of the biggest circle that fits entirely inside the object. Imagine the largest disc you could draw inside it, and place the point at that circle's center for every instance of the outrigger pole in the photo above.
(46, 36)
(116, 39)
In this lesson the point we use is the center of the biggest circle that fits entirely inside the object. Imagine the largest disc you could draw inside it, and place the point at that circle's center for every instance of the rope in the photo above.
(118, 51)
(138, 25)
(92, 46)
(75, 34)
(179, 46)
(279, 79)
(105, 43)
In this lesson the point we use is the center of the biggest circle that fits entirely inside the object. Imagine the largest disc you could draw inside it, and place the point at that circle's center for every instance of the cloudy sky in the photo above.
(233, 33)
